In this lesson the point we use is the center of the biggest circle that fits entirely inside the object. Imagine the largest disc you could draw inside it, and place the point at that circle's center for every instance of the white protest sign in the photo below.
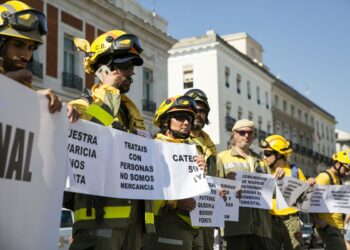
(209, 211)
(290, 188)
(32, 168)
(330, 199)
(256, 189)
(122, 165)
(232, 203)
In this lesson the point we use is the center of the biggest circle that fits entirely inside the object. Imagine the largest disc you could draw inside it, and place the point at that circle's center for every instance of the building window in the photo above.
(258, 95)
(260, 123)
(70, 78)
(267, 100)
(306, 118)
(276, 101)
(292, 110)
(239, 113)
(188, 77)
(238, 81)
(227, 77)
(327, 133)
(228, 108)
(147, 88)
(284, 105)
(249, 90)
(250, 115)
(322, 131)
(299, 114)
(268, 127)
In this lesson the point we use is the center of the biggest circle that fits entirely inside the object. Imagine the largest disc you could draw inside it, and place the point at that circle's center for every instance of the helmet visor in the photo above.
(26, 20)
(126, 43)
(185, 102)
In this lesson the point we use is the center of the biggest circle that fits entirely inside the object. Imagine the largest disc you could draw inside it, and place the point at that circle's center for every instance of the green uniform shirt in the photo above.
(251, 220)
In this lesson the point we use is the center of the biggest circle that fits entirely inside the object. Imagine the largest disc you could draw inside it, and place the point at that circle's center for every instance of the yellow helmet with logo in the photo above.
(175, 104)
(277, 143)
(114, 45)
(342, 157)
(17, 19)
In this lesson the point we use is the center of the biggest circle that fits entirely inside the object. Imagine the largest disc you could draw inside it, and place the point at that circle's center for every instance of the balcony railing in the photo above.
(36, 68)
(72, 81)
(310, 152)
(149, 105)
(229, 122)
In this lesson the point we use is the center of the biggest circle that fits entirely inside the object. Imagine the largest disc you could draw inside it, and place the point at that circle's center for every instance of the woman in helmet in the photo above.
(330, 226)
(286, 226)
(21, 31)
(175, 117)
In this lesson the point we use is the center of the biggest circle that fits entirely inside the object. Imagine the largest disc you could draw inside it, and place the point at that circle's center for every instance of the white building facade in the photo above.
(237, 87)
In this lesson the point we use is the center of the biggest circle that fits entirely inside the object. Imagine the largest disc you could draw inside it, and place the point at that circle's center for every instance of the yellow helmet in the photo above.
(175, 104)
(342, 157)
(17, 19)
(277, 143)
(114, 45)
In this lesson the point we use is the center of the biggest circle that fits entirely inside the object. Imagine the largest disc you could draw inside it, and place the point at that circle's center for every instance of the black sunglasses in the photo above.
(121, 66)
(268, 153)
(183, 117)
(244, 132)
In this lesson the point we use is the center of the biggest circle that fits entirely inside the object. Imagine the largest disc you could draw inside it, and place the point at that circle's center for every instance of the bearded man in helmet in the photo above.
(101, 222)
(21, 31)
(208, 147)
(286, 226)
(174, 117)
(330, 226)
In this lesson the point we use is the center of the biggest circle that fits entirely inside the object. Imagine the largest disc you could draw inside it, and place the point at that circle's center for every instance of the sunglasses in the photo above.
(204, 111)
(244, 132)
(268, 153)
(181, 117)
(121, 66)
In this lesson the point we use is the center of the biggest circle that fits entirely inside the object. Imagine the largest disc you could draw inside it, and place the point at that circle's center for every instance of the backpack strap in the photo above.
(329, 175)
(294, 168)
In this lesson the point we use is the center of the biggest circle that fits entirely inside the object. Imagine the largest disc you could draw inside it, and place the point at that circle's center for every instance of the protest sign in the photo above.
(232, 203)
(290, 188)
(32, 168)
(330, 199)
(122, 165)
(209, 211)
(256, 189)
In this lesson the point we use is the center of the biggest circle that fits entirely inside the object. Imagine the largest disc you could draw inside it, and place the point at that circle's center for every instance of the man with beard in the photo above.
(21, 31)
(330, 226)
(101, 222)
(208, 148)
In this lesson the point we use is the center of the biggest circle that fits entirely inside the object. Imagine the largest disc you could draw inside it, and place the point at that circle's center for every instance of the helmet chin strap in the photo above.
(179, 135)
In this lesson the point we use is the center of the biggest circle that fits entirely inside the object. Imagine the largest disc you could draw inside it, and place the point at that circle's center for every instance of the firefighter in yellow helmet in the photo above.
(208, 147)
(21, 31)
(101, 222)
(286, 225)
(330, 226)
(174, 230)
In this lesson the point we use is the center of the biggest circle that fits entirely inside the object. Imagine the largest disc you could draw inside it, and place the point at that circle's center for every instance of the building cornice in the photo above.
(301, 98)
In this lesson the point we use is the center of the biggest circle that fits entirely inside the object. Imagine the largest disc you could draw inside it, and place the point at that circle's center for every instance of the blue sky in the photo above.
(306, 43)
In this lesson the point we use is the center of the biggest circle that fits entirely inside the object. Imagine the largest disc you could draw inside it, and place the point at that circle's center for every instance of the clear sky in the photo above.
(306, 42)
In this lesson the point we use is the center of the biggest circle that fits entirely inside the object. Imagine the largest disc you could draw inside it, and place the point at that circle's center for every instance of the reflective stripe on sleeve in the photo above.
(170, 241)
(149, 218)
(100, 114)
(110, 213)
